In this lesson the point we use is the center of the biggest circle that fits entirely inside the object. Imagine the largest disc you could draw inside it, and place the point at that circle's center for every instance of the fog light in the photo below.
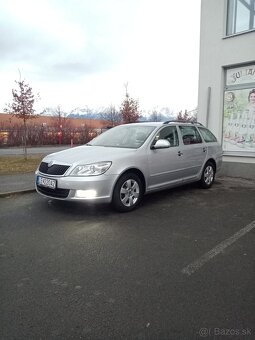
(85, 194)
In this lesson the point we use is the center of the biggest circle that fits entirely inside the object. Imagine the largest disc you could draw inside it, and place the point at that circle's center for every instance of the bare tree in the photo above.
(111, 115)
(61, 117)
(55, 112)
(62, 121)
(187, 116)
(167, 113)
(22, 107)
(155, 116)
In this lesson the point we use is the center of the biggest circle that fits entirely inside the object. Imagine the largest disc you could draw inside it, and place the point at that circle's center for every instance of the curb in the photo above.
(20, 192)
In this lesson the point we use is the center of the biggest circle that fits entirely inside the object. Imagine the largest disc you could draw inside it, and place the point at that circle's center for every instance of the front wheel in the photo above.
(208, 175)
(127, 193)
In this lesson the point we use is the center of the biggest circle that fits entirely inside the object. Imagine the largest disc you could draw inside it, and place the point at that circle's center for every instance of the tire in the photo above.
(208, 175)
(128, 193)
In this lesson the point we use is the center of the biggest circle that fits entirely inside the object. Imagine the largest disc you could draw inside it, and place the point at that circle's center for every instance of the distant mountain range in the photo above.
(85, 113)
(76, 113)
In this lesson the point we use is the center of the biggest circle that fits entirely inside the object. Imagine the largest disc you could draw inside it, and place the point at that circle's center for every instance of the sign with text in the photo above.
(241, 75)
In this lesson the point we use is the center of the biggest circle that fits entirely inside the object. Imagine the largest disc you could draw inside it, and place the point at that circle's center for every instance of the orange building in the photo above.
(8, 120)
(49, 130)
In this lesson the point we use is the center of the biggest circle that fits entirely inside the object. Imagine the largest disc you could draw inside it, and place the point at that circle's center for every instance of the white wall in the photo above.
(216, 52)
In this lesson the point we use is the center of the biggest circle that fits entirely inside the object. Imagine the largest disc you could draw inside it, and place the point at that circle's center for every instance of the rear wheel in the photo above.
(208, 175)
(127, 193)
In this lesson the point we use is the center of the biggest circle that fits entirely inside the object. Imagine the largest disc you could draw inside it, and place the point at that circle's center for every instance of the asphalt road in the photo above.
(176, 268)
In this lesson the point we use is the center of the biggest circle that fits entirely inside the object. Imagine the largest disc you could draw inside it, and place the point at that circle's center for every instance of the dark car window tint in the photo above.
(169, 133)
(207, 135)
(190, 135)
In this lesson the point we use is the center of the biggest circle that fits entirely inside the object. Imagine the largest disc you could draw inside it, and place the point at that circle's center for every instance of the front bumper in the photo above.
(93, 188)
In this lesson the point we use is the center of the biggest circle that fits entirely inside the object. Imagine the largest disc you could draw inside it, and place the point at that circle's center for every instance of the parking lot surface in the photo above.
(179, 267)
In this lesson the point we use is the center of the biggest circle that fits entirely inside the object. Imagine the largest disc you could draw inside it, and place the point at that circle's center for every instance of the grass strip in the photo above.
(18, 164)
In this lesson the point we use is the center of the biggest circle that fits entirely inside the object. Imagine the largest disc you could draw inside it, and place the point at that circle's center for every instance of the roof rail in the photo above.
(182, 121)
(173, 121)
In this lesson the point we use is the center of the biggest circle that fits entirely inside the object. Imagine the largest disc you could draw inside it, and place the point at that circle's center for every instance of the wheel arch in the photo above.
(134, 171)
(132, 196)
(211, 160)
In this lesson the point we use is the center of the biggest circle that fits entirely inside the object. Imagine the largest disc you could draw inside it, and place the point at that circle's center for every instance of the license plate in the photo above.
(46, 182)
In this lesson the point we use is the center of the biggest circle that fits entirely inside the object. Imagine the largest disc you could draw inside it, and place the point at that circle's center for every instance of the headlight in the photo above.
(94, 169)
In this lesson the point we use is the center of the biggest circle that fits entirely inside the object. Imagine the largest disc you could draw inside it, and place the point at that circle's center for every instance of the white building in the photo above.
(226, 102)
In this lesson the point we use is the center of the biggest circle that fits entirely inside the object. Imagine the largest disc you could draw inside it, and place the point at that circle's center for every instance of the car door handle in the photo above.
(204, 149)
(180, 153)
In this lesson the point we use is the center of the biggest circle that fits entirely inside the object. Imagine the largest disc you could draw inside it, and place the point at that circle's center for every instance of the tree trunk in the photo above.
(25, 140)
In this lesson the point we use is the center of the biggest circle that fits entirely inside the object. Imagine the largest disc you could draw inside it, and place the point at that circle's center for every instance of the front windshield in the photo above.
(123, 136)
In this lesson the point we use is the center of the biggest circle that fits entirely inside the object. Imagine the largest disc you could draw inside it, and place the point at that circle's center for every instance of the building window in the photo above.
(241, 16)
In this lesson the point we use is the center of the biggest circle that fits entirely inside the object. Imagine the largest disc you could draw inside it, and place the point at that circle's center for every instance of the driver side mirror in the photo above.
(161, 144)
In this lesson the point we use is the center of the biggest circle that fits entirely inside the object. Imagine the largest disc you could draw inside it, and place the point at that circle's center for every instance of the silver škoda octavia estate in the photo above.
(124, 163)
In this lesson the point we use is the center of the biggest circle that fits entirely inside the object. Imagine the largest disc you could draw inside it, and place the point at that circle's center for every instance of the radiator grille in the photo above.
(55, 169)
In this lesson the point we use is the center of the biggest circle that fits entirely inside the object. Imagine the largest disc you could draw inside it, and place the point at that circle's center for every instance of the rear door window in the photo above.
(190, 135)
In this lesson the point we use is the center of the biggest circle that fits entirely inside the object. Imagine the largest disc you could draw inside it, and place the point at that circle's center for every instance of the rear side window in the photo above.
(207, 135)
(190, 135)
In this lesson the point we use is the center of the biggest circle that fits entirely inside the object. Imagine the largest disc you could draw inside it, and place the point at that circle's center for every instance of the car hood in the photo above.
(88, 154)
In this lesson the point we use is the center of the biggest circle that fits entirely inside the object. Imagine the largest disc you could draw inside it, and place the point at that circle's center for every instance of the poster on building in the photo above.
(239, 120)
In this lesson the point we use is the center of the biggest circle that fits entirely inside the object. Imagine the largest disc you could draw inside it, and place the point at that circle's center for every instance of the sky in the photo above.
(82, 53)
